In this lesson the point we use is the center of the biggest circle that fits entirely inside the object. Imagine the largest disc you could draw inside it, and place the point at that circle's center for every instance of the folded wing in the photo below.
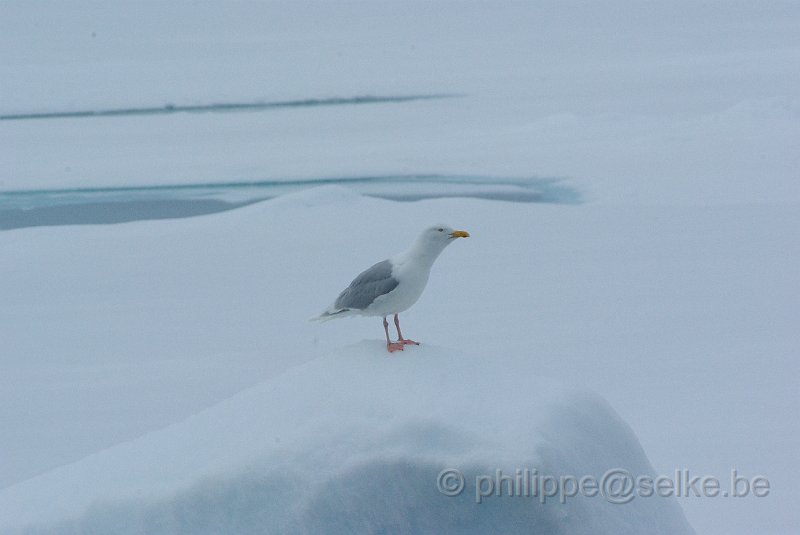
(368, 286)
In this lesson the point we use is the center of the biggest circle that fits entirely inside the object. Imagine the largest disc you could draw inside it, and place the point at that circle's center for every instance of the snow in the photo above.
(633, 102)
(134, 356)
(148, 323)
(338, 445)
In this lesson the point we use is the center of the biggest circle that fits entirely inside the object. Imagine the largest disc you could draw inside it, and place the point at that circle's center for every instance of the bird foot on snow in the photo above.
(400, 345)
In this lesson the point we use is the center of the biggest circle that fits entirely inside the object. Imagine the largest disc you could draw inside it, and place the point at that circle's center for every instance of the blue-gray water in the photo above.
(32, 208)
(221, 107)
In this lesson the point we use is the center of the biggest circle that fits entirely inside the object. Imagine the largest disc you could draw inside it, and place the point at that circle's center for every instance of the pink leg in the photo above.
(391, 347)
(400, 339)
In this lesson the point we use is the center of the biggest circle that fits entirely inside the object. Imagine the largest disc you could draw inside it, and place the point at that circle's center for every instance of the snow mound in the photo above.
(353, 442)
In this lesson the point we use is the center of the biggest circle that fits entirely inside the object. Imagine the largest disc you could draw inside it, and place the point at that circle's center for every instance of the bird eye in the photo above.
(440, 230)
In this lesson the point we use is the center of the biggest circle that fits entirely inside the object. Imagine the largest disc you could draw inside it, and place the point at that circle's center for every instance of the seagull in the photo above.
(393, 285)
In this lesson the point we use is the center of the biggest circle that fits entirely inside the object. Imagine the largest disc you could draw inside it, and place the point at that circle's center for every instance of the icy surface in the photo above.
(671, 291)
(666, 102)
(111, 332)
(353, 442)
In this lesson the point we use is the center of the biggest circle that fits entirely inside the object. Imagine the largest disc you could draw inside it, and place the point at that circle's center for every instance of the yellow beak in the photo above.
(459, 234)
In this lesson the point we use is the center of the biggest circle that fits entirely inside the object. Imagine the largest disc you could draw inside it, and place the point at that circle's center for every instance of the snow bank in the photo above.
(113, 331)
(353, 442)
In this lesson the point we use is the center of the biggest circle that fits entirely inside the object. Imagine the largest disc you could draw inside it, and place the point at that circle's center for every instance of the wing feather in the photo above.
(368, 286)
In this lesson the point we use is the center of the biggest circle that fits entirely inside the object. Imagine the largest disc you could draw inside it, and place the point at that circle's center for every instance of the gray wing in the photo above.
(368, 286)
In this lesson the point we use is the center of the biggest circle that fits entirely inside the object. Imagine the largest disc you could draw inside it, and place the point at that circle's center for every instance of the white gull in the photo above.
(393, 285)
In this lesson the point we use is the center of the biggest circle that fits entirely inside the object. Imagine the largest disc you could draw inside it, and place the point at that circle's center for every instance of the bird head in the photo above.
(440, 236)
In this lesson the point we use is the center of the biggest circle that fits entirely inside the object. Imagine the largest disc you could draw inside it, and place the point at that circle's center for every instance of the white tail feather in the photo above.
(330, 314)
